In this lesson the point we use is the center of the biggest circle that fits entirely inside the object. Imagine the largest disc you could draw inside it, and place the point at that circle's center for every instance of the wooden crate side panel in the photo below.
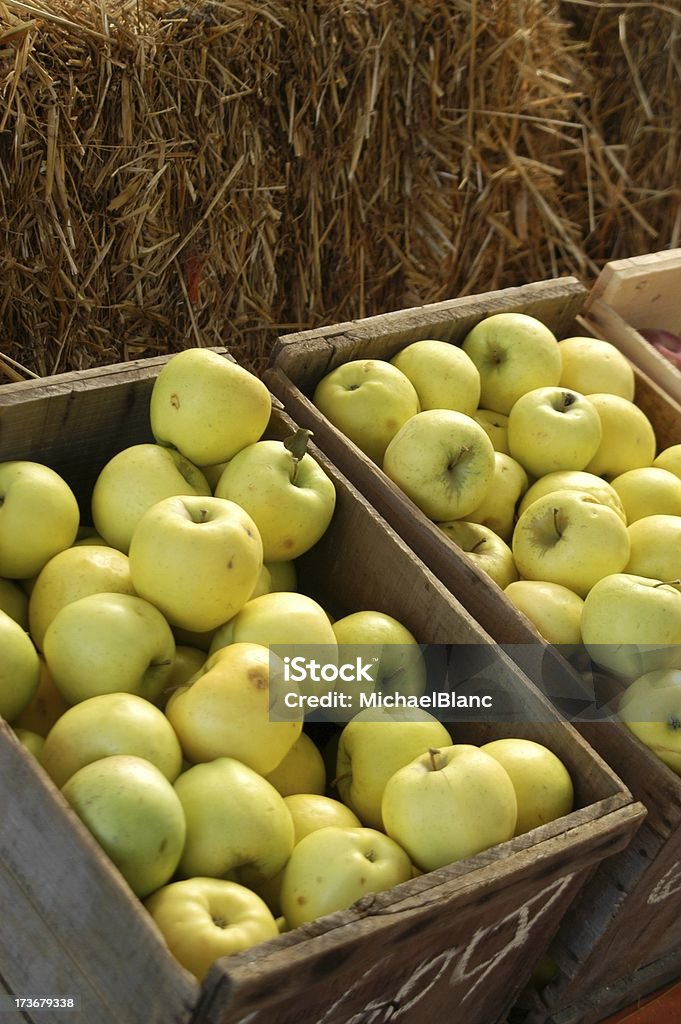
(644, 290)
(307, 355)
(70, 925)
(467, 943)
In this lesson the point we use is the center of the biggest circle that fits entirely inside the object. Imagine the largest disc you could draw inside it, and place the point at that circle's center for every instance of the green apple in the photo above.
(111, 723)
(627, 437)
(39, 516)
(333, 867)
(368, 400)
(377, 636)
(568, 537)
(443, 461)
(109, 643)
(573, 480)
(542, 783)
(651, 708)
(302, 769)
(669, 458)
(285, 491)
(45, 707)
(228, 709)
(632, 625)
(207, 406)
(655, 543)
(33, 741)
(485, 548)
(514, 353)
(554, 610)
(648, 491)
(203, 919)
(552, 429)
(134, 480)
(443, 375)
(14, 602)
(592, 366)
(19, 669)
(236, 822)
(495, 424)
(372, 746)
(448, 804)
(76, 572)
(497, 510)
(197, 559)
(312, 811)
(133, 812)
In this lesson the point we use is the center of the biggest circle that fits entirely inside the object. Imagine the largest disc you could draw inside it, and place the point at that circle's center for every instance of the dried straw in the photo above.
(220, 172)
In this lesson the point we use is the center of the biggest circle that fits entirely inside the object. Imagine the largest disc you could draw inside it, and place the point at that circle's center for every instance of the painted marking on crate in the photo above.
(669, 885)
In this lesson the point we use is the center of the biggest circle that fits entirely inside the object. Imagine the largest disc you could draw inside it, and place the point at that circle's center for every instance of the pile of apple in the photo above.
(531, 455)
(136, 668)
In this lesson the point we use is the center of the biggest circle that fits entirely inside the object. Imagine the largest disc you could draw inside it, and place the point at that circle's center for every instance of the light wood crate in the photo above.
(631, 915)
(464, 937)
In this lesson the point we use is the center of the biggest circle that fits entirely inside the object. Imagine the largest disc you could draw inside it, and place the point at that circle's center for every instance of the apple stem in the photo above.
(673, 722)
(433, 751)
(555, 522)
(667, 583)
(296, 444)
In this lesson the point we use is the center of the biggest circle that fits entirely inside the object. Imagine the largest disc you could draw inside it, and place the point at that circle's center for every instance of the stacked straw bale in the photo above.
(220, 172)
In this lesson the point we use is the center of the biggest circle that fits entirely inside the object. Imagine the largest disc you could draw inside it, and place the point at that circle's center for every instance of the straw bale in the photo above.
(217, 172)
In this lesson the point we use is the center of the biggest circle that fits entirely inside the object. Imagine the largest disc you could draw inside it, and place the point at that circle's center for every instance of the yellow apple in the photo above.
(14, 601)
(669, 458)
(443, 375)
(542, 783)
(627, 437)
(648, 491)
(45, 707)
(283, 575)
(495, 424)
(312, 811)
(651, 708)
(203, 919)
(207, 406)
(554, 610)
(302, 769)
(485, 548)
(573, 480)
(19, 669)
(39, 516)
(228, 709)
(111, 723)
(593, 366)
(552, 429)
(497, 510)
(133, 812)
(33, 741)
(655, 543)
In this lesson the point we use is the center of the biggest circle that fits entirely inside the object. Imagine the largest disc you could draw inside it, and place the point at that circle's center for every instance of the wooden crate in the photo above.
(643, 291)
(465, 936)
(631, 913)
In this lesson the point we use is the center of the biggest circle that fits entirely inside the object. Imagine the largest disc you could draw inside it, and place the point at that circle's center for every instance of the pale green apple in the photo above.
(14, 602)
(372, 746)
(198, 559)
(203, 919)
(368, 400)
(568, 537)
(443, 375)
(448, 804)
(283, 575)
(236, 822)
(312, 811)
(19, 669)
(627, 437)
(593, 366)
(229, 709)
(443, 461)
(651, 708)
(632, 625)
(133, 812)
(655, 543)
(648, 491)
(45, 707)
(39, 516)
(485, 548)
(514, 353)
(135, 479)
(552, 429)
(573, 480)
(669, 458)
(285, 491)
(333, 867)
(207, 406)
(495, 424)
(109, 643)
(76, 572)
(111, 723)
(301, 770)
(543, 785)
(497, 510)
(554, 610)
